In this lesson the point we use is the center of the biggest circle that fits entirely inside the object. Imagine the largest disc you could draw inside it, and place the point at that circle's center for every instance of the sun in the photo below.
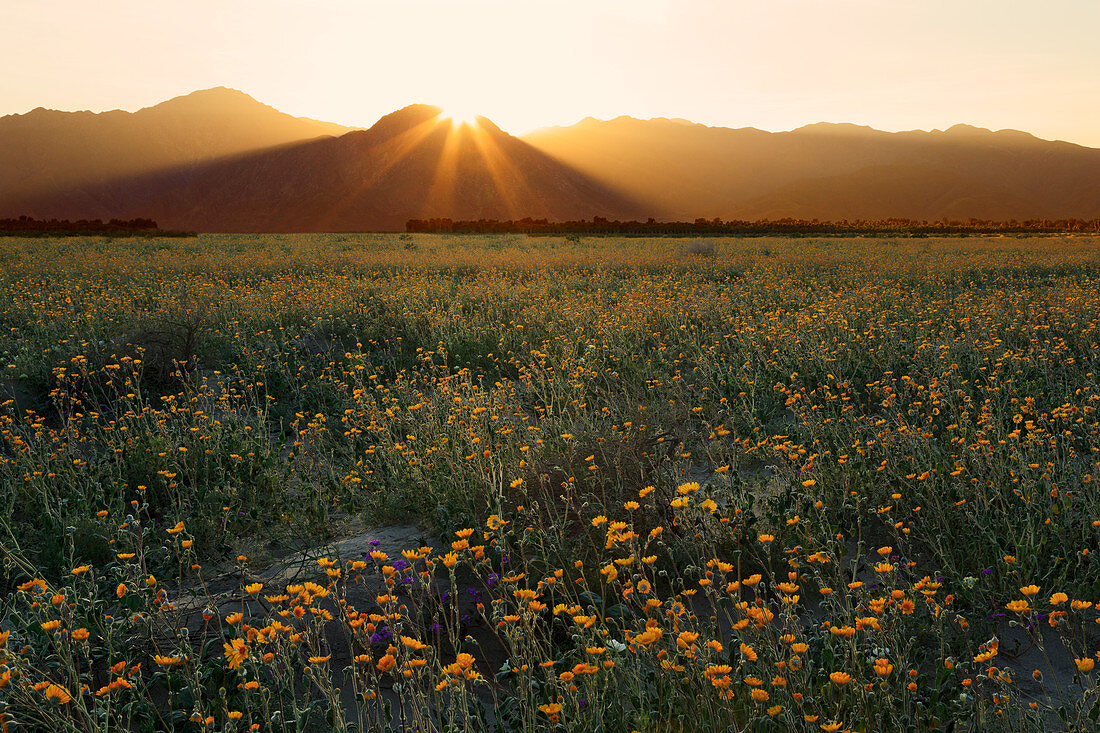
(460, 115)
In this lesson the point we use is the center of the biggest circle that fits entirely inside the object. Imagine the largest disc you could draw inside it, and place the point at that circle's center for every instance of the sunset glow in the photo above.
(460, 116)
(529, 64)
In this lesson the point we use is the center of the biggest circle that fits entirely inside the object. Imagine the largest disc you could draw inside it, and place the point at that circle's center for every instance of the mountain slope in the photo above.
(410, 164)
(832, 171)
(51, 152)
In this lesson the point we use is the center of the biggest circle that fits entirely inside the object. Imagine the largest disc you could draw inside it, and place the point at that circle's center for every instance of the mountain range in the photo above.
(219, 160)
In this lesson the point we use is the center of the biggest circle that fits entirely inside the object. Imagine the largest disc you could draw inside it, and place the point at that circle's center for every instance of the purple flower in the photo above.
(506, 558)
(400, 565)
(492, 579)
(375, 543)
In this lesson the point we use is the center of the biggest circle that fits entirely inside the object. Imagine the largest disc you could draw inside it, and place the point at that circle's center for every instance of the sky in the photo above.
(1032, 65)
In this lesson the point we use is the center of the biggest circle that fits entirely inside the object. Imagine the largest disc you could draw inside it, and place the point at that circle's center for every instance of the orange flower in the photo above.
(840, 678)
(412, 643)
(58, 695)
(386, 663)
(235, 652)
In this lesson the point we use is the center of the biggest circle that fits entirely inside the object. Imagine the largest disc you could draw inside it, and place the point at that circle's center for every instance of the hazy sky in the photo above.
(774, 64)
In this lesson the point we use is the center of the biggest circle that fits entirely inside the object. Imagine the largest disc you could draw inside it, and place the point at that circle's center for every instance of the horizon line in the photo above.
(562, 126)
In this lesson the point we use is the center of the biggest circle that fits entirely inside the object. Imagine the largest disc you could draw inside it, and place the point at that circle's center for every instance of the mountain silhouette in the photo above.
(218, 160)
(413, 163)
(831, 171)
(50, 153)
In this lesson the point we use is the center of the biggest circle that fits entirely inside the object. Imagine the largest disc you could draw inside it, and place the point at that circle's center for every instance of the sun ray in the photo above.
(508, 180)
(391, 152)
(439, 198)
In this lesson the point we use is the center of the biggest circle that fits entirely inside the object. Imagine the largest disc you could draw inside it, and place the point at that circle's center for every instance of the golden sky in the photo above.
(774, 64)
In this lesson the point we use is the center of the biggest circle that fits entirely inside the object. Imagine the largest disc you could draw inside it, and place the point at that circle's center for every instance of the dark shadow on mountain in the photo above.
(412, 163)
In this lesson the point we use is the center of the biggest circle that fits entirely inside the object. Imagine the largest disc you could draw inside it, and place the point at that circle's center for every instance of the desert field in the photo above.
(448, 483)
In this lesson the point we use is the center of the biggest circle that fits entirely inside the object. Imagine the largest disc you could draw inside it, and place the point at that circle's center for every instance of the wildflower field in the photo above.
(647, 485)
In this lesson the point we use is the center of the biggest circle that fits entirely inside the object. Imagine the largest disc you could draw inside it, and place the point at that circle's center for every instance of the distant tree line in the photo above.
(25, 226)
(711, 227)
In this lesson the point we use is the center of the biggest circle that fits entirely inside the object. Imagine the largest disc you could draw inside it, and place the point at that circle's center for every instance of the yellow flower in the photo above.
(1029, 590)
(254, 588)
(236, 652)
(167, 661)
(81, 570)
(414, 644)
(1085, 665)
(1058, 599)
(58, 695)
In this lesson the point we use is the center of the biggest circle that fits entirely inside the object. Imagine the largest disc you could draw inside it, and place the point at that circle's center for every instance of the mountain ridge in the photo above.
(218, 159)
(738, 173)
